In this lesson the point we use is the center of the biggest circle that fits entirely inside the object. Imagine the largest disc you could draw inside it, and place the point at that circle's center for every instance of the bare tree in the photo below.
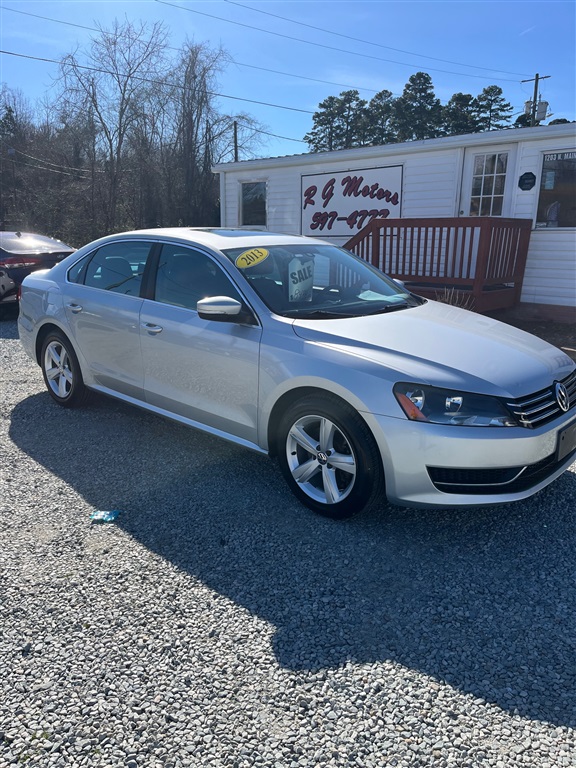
(119, 68)
(129, 141)
(248, 133)
(196, 74)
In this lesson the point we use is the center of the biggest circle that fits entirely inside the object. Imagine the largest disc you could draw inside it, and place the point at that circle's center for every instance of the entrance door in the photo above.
(487, 181)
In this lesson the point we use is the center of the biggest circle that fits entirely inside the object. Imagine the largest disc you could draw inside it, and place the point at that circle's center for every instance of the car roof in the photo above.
(27, 242)
(218, 237)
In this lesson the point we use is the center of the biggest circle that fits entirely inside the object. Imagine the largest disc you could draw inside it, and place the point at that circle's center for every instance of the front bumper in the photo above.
(430, 465)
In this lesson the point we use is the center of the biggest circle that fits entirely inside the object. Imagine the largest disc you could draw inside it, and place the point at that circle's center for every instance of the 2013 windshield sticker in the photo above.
(301, 279)
(252, 257)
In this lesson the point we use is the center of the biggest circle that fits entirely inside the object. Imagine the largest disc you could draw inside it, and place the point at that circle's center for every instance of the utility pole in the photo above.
(235, 141)
(535, 80)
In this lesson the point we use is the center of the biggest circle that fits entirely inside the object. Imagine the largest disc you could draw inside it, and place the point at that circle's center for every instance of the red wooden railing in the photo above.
(479, 259)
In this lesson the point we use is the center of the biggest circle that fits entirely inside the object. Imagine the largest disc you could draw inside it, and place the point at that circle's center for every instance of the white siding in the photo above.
(550, 276)
(431, 181)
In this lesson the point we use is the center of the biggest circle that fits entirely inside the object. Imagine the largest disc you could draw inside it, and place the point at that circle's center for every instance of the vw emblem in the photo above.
(322, 458)
(562, 398)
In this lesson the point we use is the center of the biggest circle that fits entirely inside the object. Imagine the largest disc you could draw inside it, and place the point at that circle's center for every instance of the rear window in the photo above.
(26, 243)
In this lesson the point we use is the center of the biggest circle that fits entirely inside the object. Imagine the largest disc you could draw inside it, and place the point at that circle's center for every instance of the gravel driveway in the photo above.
(219, 623)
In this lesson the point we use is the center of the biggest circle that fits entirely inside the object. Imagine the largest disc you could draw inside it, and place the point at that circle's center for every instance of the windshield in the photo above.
(320, 281)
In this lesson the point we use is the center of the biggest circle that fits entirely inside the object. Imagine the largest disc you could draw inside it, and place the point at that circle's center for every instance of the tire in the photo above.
(61, 371)
(329, 457)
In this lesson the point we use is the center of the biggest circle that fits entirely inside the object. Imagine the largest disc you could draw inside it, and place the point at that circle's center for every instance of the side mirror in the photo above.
(223, 309)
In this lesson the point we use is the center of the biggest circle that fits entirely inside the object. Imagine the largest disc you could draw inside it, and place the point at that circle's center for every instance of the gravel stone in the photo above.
(218, 623)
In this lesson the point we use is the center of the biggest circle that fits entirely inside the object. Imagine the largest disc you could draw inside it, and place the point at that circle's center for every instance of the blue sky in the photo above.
(292, 54)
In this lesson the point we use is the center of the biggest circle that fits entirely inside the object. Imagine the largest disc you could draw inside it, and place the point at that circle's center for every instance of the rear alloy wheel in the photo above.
(328, 456)
(61, 371)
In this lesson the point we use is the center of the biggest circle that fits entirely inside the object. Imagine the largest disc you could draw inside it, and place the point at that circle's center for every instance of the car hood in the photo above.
(445, 346)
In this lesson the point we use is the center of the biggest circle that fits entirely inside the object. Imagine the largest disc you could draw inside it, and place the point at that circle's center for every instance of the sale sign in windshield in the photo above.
(340, 204)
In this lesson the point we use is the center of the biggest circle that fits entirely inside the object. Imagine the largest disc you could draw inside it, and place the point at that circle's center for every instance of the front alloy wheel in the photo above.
(328, 456)
(321, 459)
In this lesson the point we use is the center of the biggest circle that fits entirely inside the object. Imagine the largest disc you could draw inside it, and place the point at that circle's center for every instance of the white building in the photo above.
(527, 173)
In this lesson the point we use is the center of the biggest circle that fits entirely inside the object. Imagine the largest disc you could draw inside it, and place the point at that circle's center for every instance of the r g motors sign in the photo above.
(340, 204)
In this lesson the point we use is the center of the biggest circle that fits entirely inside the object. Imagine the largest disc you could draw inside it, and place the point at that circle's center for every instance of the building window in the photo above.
(557, 199)
(253, 203)
(488, 183)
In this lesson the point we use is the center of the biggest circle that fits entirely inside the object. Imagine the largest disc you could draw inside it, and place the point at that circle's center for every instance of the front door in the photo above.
(487, 181)
(203, 370)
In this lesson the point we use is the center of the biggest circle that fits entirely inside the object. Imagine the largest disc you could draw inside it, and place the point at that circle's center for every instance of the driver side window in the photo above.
(185, 276)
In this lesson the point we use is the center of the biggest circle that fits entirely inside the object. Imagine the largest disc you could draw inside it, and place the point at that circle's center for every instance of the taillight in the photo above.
(12, 262)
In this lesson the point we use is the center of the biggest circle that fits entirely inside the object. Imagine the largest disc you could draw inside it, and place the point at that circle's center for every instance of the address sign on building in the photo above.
(341, 204)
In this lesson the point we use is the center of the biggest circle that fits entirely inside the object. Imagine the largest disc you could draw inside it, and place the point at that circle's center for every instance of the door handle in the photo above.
(151, 328)
(75, 308)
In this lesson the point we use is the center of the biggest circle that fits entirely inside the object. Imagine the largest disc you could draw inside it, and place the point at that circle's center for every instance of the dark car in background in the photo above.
(22, 253)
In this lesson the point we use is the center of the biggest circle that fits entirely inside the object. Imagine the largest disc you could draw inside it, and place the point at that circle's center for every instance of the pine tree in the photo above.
(380, 119)
(418, 113)
(8, 125)
(347, 121)
(321, 137)
(459, 115)
(492, 110)
(340, 124)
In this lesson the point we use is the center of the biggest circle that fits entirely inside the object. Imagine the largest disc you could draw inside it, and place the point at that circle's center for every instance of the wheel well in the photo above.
(42, 333)
(288, 399)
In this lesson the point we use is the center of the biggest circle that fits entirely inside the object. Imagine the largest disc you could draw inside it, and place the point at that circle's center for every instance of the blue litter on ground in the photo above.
(104, 515)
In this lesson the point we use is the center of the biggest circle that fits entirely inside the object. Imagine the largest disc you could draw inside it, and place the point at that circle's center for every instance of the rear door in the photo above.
(102, 302)
(203, 370)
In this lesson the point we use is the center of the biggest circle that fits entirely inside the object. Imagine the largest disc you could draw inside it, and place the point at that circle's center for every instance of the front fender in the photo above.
(363, 384)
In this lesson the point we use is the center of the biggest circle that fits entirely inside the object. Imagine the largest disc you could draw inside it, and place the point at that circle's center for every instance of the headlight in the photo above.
(447, 406)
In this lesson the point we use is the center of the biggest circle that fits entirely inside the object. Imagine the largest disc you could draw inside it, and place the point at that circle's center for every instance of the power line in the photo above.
(173, 85)
(303, 77)
(159, 82)
(368, 42)
(55, 165)
(274, 135)
(47, 18)
(253, 66)
(49, 170)
(234, 61)
(327, 47)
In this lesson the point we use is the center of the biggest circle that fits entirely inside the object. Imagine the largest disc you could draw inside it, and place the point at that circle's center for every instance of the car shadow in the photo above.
(482, 599)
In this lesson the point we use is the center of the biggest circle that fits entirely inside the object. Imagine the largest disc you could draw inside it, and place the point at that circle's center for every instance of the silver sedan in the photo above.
(293, 347)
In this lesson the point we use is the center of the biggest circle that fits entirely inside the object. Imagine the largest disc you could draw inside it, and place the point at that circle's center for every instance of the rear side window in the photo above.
(117, 267)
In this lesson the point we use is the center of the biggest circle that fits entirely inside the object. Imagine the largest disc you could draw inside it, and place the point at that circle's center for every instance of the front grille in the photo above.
(495, 481)
(541, 407)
